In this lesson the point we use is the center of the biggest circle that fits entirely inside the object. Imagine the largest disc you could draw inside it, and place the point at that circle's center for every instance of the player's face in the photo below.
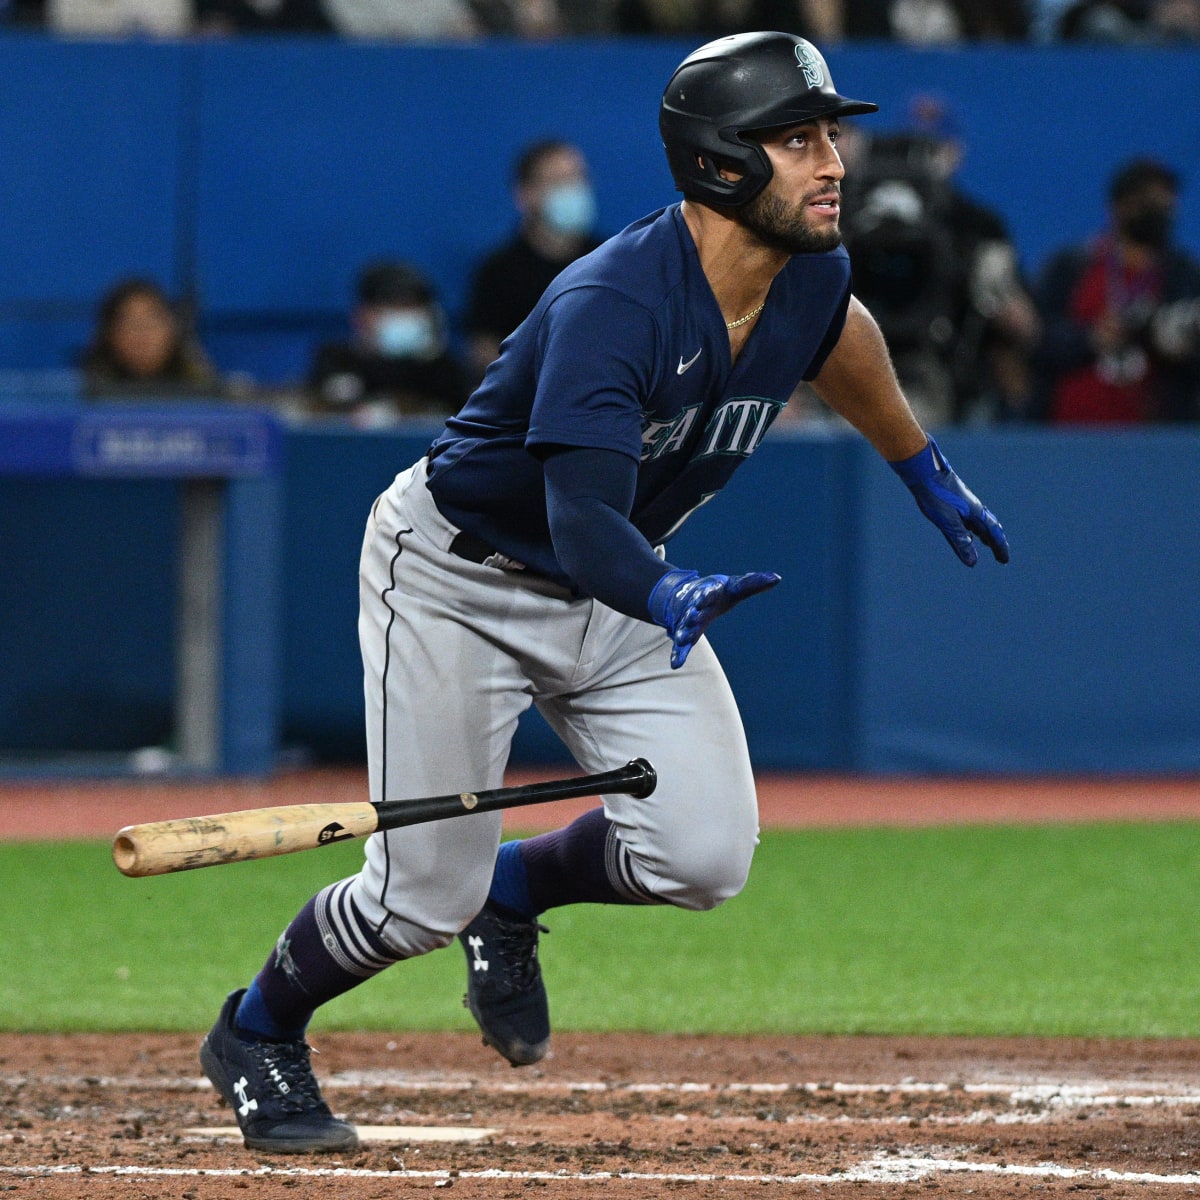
(799, 210)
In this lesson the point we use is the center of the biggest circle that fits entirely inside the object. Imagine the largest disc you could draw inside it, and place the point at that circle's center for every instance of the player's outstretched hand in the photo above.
(686, 603)
(951, 505)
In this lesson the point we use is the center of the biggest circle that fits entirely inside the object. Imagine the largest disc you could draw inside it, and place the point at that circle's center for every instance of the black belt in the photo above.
(473, 549)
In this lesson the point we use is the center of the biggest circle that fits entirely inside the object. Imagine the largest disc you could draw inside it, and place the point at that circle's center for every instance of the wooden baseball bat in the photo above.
(160, 847)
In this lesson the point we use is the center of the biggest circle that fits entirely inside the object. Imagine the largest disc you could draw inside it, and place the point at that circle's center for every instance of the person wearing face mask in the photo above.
(1121, 314)
(398, 362)
(554, 197)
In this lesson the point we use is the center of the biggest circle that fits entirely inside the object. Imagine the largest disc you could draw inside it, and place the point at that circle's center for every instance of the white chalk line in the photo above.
(977, 1118)
(1029, 1103)
(898, 1168)
(1087, 1094)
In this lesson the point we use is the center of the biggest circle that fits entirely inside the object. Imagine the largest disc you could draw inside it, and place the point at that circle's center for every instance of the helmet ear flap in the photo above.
(718, 169)
(724, 167)
(758, 170)
(728, 177)
(749, 165)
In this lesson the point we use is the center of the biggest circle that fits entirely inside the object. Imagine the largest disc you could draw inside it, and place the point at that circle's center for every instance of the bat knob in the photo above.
(643, 777)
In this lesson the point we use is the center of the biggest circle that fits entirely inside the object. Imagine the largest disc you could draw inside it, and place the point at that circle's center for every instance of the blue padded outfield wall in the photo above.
(878, 652)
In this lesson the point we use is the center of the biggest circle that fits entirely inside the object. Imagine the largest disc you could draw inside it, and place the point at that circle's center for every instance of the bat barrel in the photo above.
(159, 847)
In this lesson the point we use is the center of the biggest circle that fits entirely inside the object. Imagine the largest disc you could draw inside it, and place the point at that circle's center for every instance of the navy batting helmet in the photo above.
(730, 87)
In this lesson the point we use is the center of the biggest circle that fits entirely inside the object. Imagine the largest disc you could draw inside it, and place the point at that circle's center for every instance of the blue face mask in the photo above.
(570, 208)
(405, 335)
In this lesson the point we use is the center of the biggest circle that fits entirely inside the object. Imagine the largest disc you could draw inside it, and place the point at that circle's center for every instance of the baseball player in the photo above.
(522, 561)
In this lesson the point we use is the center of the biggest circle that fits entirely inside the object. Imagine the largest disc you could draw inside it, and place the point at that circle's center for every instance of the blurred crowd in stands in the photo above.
(1107, 331)
(911, 22)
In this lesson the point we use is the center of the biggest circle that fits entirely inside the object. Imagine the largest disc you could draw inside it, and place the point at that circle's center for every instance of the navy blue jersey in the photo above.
(628, 350)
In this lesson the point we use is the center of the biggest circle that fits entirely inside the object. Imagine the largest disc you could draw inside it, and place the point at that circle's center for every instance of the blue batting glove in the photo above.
(686, 603)
(951, 505)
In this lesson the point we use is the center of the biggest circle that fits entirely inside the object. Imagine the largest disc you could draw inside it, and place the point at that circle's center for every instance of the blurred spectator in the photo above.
(586, 17)
(119, 18)
(1122, 313)
(28, 14)
(1174, 21)
(262, 16)
(1119, 21)
(670, 18)
(391, 21)
(533, 19)
(398, 362)
(819, 20)
(914, 22)
(999, 324)
(557, 209)
(142, 347)
(938, 271)
(925, 22)
(1044, 18)
(938, 22)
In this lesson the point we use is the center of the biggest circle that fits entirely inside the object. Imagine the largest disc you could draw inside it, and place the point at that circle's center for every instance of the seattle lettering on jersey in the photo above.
(737, 427)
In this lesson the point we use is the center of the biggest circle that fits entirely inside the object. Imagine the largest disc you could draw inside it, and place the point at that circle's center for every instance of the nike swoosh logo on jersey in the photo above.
(683, 366)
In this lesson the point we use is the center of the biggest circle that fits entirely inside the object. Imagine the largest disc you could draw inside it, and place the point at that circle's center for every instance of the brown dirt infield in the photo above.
(621, 1114)
(625, 1115)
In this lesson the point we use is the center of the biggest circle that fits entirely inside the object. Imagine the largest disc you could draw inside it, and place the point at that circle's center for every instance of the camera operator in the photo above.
(1122, 313)
(938, 271)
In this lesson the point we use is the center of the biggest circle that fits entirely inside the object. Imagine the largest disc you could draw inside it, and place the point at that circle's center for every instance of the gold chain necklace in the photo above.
(748, 317)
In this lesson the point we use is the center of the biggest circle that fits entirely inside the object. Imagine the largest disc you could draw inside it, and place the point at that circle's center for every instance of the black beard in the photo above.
(783, 228)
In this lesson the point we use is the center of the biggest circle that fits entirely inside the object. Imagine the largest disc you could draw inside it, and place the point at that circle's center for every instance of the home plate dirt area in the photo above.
(621, 1115)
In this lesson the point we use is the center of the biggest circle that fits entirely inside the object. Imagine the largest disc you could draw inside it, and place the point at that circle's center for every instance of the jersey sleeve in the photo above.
(836, 325)
(589, 494)
(597, 355)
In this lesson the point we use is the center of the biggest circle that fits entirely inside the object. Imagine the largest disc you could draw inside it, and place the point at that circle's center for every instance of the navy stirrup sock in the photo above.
(584, 863)
(326, 950)
(253, 1017)
(510, 883)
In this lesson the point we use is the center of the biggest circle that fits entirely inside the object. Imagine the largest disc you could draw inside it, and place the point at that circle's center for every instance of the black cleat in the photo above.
(505, 992)
(272, 1090)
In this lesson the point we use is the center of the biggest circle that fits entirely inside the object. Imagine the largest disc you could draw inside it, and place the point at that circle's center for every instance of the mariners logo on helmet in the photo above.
(729, 90)
(810, 64)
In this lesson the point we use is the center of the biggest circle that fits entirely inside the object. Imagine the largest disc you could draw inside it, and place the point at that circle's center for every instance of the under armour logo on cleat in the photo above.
(476, 944)
(683, 366)
(247, 1105)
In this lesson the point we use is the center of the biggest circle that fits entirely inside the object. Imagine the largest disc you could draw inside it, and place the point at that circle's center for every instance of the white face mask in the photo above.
(408, 334)
(569, 208)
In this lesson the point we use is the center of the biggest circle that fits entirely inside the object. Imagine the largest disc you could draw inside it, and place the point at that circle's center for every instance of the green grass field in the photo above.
(978, 930)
